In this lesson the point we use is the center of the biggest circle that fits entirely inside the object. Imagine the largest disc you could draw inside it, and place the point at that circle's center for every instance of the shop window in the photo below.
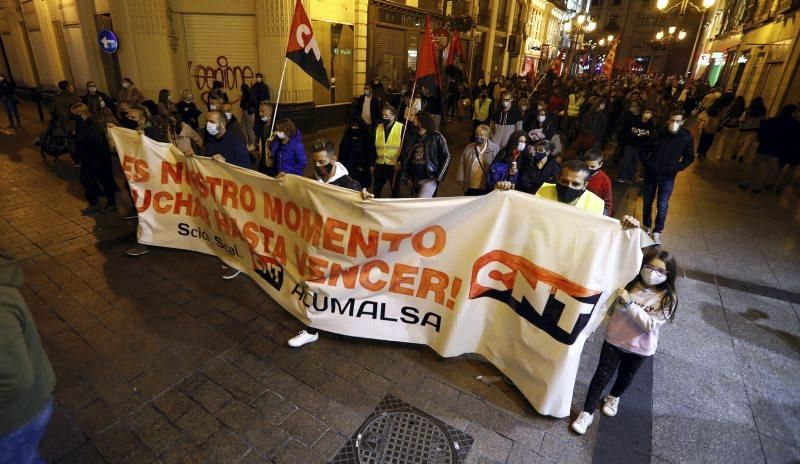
(336, 43)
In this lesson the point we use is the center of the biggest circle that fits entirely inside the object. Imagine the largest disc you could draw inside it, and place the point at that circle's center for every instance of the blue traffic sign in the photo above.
(108, 41)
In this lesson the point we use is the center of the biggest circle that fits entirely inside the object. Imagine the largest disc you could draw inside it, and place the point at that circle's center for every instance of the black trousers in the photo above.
(612, 359)
(384, 173)
(706, 140)
(98, 180)
(471, 192)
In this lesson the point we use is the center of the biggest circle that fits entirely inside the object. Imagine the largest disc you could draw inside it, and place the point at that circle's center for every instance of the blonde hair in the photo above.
(79, 108)
(185, 94)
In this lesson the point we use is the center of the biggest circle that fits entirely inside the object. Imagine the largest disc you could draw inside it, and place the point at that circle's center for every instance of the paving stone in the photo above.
(117, 443)
(330, 444)
(267, 438)
(308, 399)
(186, 451)
(274, 407)
(173, 404)
(235, 381)
(198, 424)
(304, 428)
(62, 436)
(524, 433)
(522, 455)
(85, 454)
(296, 452)
(476, 410)
(340, 418)
(448, 416)
(95, 418)
(224, 447)
(435, 391)
(154, 429)
(562, 451)
(210, 395)
(488, 444)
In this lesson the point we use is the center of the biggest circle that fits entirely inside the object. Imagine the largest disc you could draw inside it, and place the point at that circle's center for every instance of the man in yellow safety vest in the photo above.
(388, 141)
(482, 109)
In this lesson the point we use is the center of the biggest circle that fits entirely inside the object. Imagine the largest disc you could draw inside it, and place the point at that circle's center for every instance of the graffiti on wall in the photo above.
(232, 77)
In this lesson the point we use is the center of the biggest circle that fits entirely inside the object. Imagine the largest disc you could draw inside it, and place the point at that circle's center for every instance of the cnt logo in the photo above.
(547, 300)
(269, 269)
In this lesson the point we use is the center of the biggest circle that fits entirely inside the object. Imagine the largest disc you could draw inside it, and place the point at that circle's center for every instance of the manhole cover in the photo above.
(403, 438)
(397, 433)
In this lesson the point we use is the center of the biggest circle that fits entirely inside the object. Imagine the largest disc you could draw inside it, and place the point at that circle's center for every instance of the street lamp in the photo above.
(576, 28)
(702, 7)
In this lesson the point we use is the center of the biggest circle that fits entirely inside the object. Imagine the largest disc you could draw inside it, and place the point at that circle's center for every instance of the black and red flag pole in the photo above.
(303, 49)
(427, 68)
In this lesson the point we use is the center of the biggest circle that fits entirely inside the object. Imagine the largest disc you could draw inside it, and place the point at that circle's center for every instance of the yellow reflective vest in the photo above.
(388, 149)
(574, 107)
(481, 112)
(588, 201)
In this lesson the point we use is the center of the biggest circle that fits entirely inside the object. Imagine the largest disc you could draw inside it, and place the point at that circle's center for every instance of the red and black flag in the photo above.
(303, 48)
(427, 68)
(455, 50)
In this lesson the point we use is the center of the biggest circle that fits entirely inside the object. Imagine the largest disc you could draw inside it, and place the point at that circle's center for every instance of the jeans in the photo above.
(11, 111)
(21, 446)
(384, 173)
(651, 188)
(612, 359)
(247, 124)
(426, 188)
(630, 157)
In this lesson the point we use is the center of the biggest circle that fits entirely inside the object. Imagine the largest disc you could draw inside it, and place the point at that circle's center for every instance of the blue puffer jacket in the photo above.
(289, 157)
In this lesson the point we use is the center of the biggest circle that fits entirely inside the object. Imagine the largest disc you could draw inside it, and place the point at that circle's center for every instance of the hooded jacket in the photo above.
(341, 178)
(289, 157)
(26, 376)
(668, 155)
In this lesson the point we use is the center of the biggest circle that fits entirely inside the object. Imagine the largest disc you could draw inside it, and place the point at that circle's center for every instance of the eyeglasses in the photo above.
(656, 270)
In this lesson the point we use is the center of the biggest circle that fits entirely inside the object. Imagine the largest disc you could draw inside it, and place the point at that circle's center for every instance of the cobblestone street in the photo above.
(160, 360)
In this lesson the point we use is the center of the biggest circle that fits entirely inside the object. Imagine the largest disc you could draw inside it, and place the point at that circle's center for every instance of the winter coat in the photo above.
(132, 94)
(594, 122)
(776, 138)
(357, 154)
(91, 144)
(530, 177)
(437, 155)
(668, 155)
(289, 157)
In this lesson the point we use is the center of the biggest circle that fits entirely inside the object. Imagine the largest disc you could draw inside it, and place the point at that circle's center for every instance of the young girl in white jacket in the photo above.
(638, 312)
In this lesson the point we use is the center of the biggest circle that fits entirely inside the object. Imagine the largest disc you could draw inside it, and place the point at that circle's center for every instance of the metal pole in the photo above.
(278, 100)
(696, 41)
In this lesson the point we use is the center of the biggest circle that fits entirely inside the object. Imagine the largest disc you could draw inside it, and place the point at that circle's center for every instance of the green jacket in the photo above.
(26, 377)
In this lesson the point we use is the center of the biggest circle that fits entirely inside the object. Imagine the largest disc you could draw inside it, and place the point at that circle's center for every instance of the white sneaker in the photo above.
(657, 237)
(303, 338)
(610, 405)
(583, 422)
(231, 273)
(138, 250)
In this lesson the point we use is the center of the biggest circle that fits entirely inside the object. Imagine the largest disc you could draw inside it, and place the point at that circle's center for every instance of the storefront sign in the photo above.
(704, 60)
(522, 291)
(406, 19)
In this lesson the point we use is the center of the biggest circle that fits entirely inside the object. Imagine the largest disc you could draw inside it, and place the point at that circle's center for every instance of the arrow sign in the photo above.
(108, 41)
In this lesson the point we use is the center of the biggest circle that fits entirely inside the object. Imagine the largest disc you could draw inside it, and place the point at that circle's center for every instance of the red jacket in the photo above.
(600, 185)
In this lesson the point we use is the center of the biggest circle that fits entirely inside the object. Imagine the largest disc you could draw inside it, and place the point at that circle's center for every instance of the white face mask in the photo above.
(264, 118)
(2, 78)
(417, 105)
(102, 104)
(212, 107)
(650, 278)
(674, 126)
(228, 115)
(542, 118)
(601, 107)
(126, 85)
(521, 146)
(93, 89)
(506, 105)
(212, 128)
(280, 135)
(258, 79)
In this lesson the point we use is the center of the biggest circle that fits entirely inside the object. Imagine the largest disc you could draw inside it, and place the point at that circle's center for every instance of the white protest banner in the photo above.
(520, 280)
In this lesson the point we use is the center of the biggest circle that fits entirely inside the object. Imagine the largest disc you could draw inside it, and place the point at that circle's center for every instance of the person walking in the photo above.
(476, 163)
(481, 110)
(286, 154)
(367, 108)
(165, 106)
(130, 93)
(506, 120)
(748, 129)
(233, 124)
(188, 110)
(388, 148)
(262, 127)
(592, 128)
(634, 136)
(96, 100)
(729, 138)
(709, 124)
(27, 377)
(638, 312)
(599, 182)
(357, 152)
(9, 100)
(775, 143)
(91, 147)
(574, 103)
(260, 90)
(59, 109)
(425, 157)
(671, 153)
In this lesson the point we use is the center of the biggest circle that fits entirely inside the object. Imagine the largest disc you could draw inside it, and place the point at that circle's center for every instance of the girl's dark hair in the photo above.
(737, 107)
(286, 125)
(508, 150)
(757, 108)
(715, 109)
(669, 302)
(163, 95)
(426, 121)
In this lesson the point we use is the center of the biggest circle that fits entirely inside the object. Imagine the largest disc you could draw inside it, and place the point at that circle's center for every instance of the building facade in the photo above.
(189, 44)
(751, 47)
(635, 23)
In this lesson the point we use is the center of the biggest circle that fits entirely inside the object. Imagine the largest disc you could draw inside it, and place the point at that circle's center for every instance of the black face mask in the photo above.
(539, 155)
(129, 123)
(566, 194)
(386, 121)
(480, 140)
(323, 171)
(592, 172)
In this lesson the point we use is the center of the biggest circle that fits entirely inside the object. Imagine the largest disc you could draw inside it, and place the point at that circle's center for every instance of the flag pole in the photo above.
(403, 132)
(278, 101)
